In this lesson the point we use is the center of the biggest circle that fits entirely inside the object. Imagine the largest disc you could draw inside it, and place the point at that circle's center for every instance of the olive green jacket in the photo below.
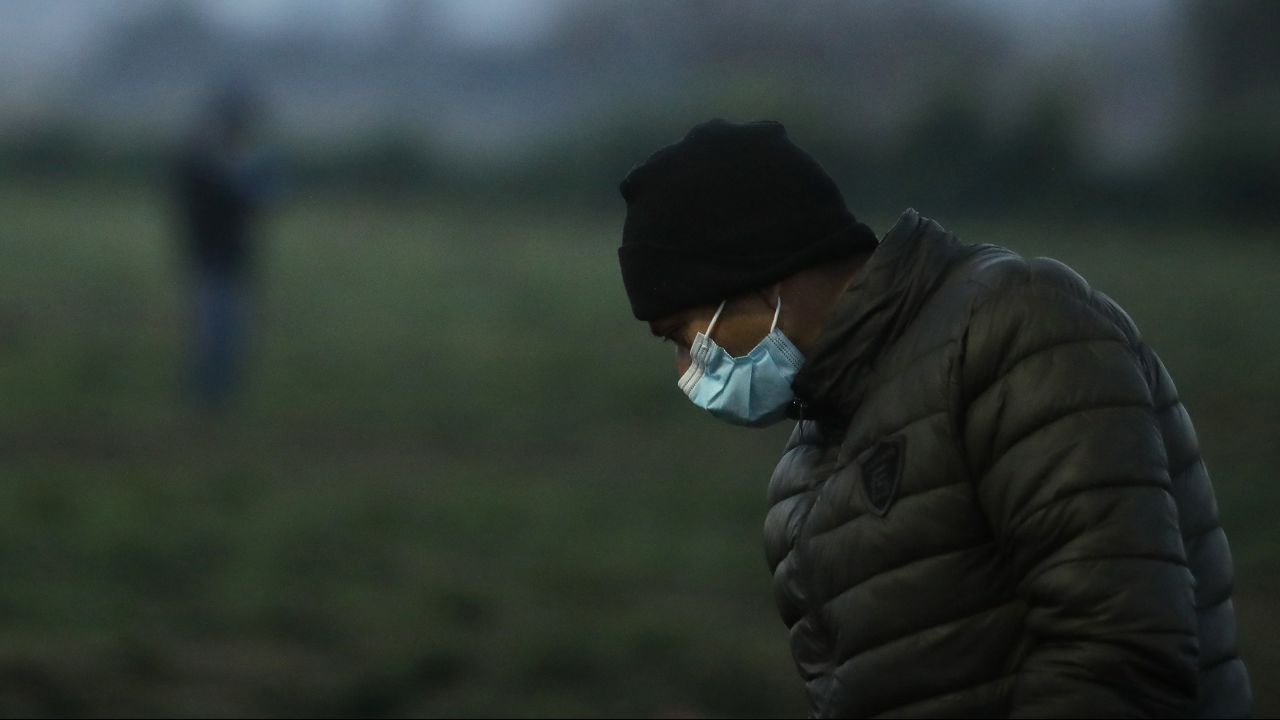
(994, 503)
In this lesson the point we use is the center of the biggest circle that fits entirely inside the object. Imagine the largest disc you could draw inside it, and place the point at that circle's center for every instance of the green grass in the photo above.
(463, 481)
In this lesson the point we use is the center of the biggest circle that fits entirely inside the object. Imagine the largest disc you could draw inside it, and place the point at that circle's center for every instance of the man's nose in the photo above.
(682, 361)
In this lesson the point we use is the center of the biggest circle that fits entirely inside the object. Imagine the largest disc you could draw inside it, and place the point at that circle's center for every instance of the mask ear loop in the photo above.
(714, 318)
(776, 313)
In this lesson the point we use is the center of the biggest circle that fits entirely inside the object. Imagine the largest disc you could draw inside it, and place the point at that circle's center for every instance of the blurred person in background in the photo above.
(222, 183)
(993, 502)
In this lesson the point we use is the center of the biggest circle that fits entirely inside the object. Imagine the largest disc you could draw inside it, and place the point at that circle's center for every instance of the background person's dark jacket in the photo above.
(995, 504)
(218, 198)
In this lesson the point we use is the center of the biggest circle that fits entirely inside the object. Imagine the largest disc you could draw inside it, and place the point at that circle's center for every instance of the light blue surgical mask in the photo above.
(754, 389)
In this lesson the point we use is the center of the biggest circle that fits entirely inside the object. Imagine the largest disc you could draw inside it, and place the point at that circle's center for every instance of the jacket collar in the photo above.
(884, 298)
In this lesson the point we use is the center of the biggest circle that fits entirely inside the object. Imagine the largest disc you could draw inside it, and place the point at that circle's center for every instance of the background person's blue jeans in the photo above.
(219, 327)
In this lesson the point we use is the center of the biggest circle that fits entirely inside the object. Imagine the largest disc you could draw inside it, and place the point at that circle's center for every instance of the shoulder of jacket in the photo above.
(1003, 277)
(997, 270)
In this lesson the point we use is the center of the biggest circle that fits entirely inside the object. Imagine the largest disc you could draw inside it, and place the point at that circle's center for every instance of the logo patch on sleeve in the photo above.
(881, 470)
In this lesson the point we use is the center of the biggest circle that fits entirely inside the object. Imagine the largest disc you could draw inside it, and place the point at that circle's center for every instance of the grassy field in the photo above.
(462, 481)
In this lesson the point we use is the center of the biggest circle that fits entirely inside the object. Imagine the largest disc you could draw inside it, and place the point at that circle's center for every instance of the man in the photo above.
(993, 503)
(221, 186)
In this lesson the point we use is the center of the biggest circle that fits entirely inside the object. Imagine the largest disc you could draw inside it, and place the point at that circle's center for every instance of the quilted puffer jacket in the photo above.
(994, 503)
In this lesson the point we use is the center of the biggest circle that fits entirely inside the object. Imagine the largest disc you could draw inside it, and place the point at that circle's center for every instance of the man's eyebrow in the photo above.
(664, 329)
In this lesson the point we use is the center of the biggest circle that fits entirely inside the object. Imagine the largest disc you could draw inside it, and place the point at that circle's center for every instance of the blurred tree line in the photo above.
(901, 102)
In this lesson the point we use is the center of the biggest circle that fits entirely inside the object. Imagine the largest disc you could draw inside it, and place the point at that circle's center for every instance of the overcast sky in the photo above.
(40, 34)
(41, 40)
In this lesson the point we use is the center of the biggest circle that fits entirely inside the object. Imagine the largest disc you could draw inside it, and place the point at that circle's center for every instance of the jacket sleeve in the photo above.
(1070, 470)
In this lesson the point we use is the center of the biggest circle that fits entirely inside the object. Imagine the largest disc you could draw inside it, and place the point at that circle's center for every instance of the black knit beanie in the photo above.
(730, 208)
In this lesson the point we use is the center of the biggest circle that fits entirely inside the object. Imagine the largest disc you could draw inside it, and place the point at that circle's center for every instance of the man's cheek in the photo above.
(682, 360)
